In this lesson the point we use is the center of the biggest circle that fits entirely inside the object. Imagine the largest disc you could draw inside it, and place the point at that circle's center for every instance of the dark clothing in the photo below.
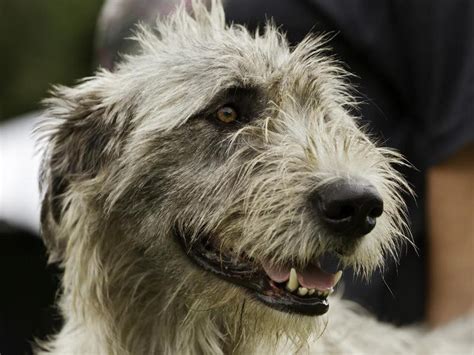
(414, 62)
(28, 291)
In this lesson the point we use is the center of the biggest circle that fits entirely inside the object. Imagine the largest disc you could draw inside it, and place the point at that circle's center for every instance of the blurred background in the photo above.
(414, 74)
(41, 43)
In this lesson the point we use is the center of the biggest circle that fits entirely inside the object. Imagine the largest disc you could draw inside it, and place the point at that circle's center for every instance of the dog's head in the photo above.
(226, 162)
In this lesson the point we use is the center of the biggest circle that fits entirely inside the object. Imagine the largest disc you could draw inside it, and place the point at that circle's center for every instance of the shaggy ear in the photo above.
(81, 134)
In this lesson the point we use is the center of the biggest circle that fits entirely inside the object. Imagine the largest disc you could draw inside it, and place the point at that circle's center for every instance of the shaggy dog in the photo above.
(193, 195)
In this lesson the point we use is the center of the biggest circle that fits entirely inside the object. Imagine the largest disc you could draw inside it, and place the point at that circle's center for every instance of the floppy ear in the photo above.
(79, 132)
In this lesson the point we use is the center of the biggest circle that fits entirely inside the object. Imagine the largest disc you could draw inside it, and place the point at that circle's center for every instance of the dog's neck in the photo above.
(120, 301)
(121, 307)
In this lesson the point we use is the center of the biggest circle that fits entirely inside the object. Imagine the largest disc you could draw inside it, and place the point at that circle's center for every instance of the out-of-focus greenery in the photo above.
(43, 42)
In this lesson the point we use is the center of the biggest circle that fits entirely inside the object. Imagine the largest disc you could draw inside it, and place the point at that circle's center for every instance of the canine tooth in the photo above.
(302, 291)
(337, 277)
(292, 283)
(311, 291)
(325, 293)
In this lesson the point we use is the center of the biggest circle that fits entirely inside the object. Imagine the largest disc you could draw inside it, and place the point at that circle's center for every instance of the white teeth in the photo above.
(325, 293)
(302, 291)
(337, 277)
(292, 283)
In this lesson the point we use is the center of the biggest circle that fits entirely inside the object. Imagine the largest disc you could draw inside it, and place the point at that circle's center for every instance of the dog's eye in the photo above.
(227, 114)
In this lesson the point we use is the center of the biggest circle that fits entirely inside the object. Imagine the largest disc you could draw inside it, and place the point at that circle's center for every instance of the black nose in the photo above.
(349, 208)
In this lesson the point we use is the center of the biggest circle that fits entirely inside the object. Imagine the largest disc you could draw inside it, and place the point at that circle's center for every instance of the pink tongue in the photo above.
(277, 274)
(311, 277)
(314, 277)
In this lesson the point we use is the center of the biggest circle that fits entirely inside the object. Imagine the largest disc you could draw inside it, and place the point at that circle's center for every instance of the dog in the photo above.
(194, 196)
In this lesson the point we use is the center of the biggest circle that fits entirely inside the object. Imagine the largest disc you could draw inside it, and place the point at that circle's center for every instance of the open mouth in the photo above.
(301, 291)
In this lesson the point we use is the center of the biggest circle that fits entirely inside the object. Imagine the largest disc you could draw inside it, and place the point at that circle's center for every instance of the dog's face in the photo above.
(225, 158)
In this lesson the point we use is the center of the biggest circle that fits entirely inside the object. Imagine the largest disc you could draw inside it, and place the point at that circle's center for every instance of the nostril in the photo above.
(376, 211)
(337, 211)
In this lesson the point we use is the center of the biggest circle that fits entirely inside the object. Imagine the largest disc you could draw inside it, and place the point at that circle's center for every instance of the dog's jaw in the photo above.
(281, 288)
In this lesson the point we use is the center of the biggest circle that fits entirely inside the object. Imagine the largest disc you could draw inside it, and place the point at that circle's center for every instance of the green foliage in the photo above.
(43, 42)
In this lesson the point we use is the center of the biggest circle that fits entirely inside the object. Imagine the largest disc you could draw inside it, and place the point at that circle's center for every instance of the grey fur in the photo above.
(135, 154)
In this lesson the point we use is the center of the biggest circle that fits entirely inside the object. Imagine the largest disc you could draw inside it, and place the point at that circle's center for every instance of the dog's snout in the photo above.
(348, 208)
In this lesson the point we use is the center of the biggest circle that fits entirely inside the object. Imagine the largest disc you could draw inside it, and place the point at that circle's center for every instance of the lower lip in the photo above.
(271, 296)
(305, 308)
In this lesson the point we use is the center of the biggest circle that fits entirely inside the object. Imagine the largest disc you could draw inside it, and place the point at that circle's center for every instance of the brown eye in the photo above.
(227, 114)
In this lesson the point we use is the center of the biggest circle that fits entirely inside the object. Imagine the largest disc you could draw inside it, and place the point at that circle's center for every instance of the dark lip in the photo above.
(249, 276)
